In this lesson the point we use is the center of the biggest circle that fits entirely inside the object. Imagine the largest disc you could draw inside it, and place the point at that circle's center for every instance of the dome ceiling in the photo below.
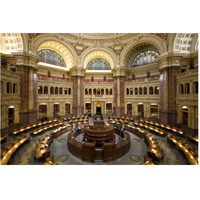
(98, 36)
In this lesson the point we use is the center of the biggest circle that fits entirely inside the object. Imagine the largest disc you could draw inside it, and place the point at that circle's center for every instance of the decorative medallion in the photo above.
(62, 158)
(135, 158)
(62, 140)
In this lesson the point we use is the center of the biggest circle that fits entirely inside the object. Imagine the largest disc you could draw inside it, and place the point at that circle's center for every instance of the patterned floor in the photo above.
(25, 154)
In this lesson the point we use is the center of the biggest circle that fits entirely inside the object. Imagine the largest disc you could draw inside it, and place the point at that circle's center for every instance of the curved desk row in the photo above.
(135, 130)
(36, 132)
(59, 131)
(22, 129)
(12, 148)
(50, 161)
(166, 127)
(154, 150)
(186, 149)
(42, 149)
(148, 161)
(151, 128)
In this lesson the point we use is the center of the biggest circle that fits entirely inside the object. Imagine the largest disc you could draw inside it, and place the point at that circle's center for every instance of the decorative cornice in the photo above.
(163, 36)
(33, 35)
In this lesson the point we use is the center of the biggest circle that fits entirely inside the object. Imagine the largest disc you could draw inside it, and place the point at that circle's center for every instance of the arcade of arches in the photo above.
(149, 76)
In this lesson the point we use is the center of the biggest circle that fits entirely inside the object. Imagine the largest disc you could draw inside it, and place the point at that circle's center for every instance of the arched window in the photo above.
(39, 89)
(181, 90)
(56, 90)
(65, 90)
(52, 90)
(140, 91)
(136, 91)
(156, 90)
(195, 87)
(102, 91)
(86, 91)
(94, 91)
(145, 58)
(98, 64)
(110, 91)
(187, 88)
(107, 92)
(127, 91)
(151, 90)
(98, 91)
(9, 87)
(145, 90)
(51, 57)
(90, 91)
(131, 91)
(15, 89)
(69, 91)
(60, 90)
(45, 90)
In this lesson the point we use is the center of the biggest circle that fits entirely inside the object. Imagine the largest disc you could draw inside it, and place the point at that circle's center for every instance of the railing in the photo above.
(188, 72)
(9, 72)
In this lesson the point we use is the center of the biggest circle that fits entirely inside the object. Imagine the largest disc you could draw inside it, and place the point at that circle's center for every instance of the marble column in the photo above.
(118, 108)
(78, 107)
(168, 112)
(28, 94)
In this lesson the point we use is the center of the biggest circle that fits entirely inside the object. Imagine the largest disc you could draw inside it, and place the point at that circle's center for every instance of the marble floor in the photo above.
(25, 154)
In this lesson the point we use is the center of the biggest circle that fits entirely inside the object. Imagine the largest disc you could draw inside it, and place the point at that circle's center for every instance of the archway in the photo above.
(11, 115)
(56, 110)
(98, 108)
(141, 110)
(184, 111)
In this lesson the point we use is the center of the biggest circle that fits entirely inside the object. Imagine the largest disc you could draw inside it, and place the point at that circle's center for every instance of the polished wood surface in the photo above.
(12, 148)
(154, 150)
(87, 151)
(50, 161)
(36, 125)
(189, 152)
(42, 149)
(36, 132)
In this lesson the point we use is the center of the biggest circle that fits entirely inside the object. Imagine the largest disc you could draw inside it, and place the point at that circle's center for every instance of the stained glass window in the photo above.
(98, 64)
(145, 58)
(51, 57)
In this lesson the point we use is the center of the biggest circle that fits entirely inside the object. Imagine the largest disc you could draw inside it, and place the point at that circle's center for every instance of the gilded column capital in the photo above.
(169, 61)
(27, 59)
(77, 71)
(119, 71)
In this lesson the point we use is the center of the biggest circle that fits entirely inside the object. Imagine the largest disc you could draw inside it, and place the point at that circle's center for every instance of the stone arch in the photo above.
(98, 52)
(64, 46)
(185, 42)
(180, 113)
(13, 42)
(146, 40)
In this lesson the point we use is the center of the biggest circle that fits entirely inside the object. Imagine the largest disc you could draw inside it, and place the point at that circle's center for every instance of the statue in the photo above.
(104, 78)
(192, 64)
(148, 74)
(133, 76)
(49, 74)
(92, 78)
(63, 76)
(3, 62)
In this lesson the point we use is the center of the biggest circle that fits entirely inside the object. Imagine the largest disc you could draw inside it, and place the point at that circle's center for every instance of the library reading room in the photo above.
(99, 98)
